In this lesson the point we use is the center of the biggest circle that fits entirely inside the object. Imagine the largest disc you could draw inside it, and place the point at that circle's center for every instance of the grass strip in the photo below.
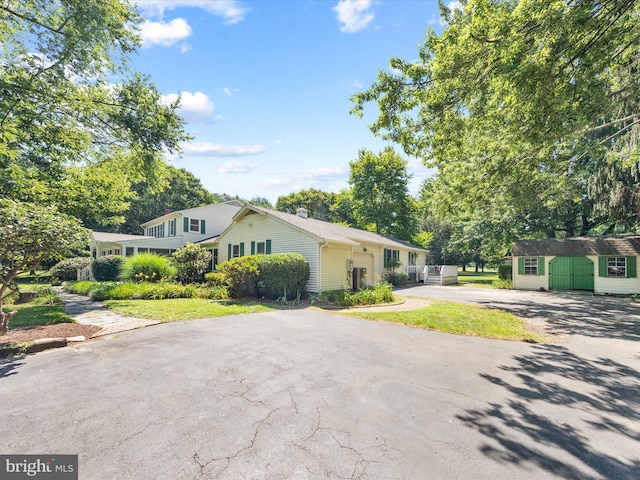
(36, 315)
(176, 309)
(460, 319)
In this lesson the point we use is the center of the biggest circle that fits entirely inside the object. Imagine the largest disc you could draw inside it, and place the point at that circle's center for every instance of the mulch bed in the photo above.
(59, 330)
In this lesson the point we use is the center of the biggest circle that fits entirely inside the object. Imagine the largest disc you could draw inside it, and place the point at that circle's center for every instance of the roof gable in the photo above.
(327, 231)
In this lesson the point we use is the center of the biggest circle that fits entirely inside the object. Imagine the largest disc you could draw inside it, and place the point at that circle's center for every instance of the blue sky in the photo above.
(265, 85)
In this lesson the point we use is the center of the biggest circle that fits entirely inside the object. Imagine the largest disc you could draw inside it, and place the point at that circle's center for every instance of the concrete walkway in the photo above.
(86, 311)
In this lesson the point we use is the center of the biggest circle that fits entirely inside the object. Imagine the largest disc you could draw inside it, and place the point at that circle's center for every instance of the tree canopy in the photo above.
(71, 110)
(32, 234)
(524, 107)
(380, 194)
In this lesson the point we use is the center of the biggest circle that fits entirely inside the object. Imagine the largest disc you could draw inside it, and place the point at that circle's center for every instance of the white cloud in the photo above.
(165, 34)
(230, 92)
(238, 167)
(230, 10)
(354, 15)
(207, 149)
(196, 107)
(308, 178)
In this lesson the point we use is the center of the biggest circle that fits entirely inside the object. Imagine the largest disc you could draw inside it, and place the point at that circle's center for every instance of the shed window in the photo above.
(617, 267)
(531, 266)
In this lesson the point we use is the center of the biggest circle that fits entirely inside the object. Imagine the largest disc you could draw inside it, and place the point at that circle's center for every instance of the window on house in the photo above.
(391, 258)
(413, 258)
(235, 251)
(194, 225)
(616, 266)
(214, 259)
(260, 247)
(172, 228)
(129, 251)
(531, 266)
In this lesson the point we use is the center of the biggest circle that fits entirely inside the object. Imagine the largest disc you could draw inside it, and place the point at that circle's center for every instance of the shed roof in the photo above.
(623, 245)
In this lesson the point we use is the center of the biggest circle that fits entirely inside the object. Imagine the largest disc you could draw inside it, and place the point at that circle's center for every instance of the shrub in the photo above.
(192, 261)
(505, 272)
(67, 269)
(147, 267)
(143, 291)
(240, 275)
(107, 268)
(397, 279)
(381, 293)
(83, 287)
(503, 284)
(282, 275)
(46, 295)
(215, 292)
(215, 279)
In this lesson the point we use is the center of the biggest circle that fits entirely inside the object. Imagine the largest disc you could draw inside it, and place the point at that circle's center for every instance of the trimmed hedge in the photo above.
(67, 269)
(240, 276)
(282, 275)
(107, 268)
(505, 272)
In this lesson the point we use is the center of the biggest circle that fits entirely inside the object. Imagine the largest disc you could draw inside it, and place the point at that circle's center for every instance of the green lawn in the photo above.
(34, 315)
(175, 309)
(480, 279)
(460, 319)
(26, 281)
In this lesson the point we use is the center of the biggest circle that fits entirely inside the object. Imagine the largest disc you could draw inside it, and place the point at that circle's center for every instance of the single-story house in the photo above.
(169, 232)
(339, 257)
(605, 264)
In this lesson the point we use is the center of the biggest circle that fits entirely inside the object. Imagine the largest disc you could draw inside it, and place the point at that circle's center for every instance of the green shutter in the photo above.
(520, 265)
(631, 267)
(540, 265)
(186, 225)
(202, 225)
(268, 247)
(229, 247)
(602, 267)
(253, 248)
(242, 249)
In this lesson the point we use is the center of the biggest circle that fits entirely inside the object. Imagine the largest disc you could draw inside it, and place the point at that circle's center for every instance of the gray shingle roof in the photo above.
(333, 232)
(623, 245)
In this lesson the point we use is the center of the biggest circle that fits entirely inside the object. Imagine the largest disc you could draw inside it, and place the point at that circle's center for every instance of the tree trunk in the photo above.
(4, 321)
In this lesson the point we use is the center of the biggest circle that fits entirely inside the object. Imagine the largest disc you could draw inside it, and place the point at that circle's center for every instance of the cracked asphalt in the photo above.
(306, 394)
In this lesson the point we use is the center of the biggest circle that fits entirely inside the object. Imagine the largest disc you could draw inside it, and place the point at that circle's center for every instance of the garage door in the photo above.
(571, 273)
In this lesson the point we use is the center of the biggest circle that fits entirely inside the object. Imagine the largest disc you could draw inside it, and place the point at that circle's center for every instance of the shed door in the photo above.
(571, 273)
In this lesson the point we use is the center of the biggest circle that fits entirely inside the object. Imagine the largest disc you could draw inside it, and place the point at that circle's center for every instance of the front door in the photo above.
(571, 273)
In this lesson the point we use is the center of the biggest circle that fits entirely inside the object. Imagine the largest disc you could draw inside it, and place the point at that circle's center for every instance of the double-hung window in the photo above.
(194, 225)
(531, 266)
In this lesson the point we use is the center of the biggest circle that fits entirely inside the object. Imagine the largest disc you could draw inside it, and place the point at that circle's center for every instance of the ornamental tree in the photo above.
(32, 234)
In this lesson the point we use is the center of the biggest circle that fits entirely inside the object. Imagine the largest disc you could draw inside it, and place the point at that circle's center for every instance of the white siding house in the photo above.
(605, 264)
(168, 232)
(339, 257)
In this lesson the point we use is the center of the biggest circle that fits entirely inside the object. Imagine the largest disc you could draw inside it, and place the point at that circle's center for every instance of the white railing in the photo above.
(446, 274)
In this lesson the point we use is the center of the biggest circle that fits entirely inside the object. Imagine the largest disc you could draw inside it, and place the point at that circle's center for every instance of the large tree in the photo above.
(524, 100)
(317, 203)
(70, 109)
(179, 190)
(32, 234)
(380, 194)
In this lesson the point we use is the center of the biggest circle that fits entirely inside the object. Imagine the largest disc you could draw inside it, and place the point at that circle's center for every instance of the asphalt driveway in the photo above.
(304, 394)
